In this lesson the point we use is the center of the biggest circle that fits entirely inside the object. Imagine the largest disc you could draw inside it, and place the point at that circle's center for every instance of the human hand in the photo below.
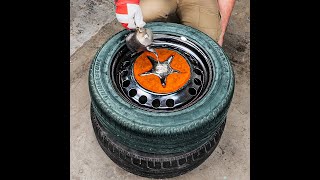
(220, 40)
(129, 14)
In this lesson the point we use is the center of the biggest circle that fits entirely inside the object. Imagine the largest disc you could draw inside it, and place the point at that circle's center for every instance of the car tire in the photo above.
(159, 144)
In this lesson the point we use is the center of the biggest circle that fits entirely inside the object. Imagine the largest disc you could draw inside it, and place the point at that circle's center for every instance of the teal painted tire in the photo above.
(168, 132)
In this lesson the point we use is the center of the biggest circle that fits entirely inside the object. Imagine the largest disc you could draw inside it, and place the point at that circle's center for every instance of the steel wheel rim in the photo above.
(130, 90)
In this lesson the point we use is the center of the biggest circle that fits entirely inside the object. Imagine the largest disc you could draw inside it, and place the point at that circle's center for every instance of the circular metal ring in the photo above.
(201, 76)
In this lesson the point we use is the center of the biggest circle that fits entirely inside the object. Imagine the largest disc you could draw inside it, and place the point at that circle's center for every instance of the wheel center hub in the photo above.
(161, 69)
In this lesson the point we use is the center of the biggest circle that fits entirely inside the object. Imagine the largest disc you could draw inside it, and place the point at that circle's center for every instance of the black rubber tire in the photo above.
(154, 165)
(170, 135)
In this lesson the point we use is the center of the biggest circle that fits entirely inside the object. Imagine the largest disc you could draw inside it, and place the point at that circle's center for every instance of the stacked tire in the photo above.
(159, 144)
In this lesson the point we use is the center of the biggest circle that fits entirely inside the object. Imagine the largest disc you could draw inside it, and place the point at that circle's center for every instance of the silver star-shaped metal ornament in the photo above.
(161, 69)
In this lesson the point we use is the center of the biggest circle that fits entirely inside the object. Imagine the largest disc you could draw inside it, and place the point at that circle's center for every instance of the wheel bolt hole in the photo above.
(197, 71)
(124, 73)
(143, 99)
(170, 102)
(156, 103)
(132, 92)
(192, 91)
(197, 81)
(126, 83)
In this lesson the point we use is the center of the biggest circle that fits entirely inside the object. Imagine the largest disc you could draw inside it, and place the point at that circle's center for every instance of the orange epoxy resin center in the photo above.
(152, 82)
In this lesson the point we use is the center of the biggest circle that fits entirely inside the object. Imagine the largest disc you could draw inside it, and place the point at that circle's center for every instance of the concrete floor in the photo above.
(230, 160)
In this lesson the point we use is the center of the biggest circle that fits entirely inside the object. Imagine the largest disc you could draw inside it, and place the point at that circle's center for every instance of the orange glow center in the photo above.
(151, 82)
